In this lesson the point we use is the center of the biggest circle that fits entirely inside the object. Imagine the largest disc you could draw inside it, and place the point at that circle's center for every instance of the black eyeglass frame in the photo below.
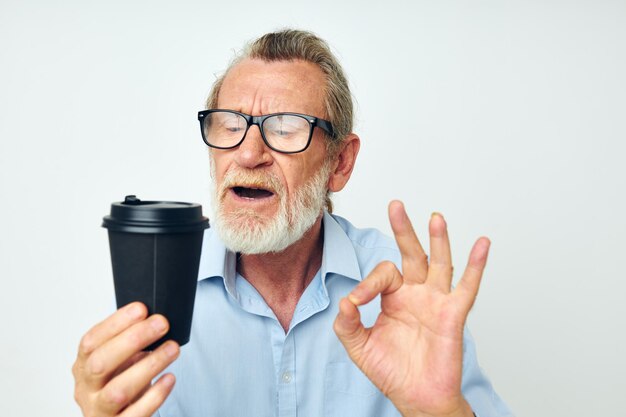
(325, 125)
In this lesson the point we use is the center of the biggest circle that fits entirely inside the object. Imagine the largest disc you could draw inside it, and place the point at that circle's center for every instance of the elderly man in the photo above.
(279, 273)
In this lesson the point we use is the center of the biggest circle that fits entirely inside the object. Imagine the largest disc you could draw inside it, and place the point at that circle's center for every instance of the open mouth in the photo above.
(252, 193)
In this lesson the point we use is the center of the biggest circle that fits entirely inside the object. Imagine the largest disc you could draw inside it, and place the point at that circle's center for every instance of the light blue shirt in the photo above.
(240, 362)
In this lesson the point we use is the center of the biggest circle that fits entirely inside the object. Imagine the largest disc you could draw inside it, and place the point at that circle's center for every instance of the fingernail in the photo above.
(354, 298)
(435, 213)
(158, 323)
(135, 311)
(168, 380)
(170, 349)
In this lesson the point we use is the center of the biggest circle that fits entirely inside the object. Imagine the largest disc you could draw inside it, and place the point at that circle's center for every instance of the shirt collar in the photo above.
(338, 256)
(217, 261)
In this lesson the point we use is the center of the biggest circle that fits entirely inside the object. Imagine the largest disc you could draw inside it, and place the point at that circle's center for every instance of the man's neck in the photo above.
(282, 277)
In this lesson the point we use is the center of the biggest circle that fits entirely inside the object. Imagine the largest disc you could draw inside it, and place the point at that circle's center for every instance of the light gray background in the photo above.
(507, 116)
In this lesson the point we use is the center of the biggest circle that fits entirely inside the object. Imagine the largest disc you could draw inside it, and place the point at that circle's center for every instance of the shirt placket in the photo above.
(287, 400)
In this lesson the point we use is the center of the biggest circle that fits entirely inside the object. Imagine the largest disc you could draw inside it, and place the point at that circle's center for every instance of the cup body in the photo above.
(161, 271)
(157, 264)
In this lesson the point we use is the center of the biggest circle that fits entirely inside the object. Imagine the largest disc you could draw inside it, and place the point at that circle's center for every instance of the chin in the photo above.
(244, 222)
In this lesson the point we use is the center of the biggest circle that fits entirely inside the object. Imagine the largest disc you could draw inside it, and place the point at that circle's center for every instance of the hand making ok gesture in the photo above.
(414, 351)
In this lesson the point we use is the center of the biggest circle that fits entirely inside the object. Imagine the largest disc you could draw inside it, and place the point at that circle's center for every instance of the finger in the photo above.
(134, 359)
(349, 329)
(128, 386)
(130, 362)
(467, 288)
(414, 259)
(384, 279)
(152, 399)
(105, 360)
(113, 325)
(440, 268)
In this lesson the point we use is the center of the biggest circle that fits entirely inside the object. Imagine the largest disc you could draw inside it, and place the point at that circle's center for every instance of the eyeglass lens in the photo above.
(283, 132)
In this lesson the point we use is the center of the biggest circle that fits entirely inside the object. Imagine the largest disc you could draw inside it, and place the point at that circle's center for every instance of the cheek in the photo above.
(293, 173)
(301, 176)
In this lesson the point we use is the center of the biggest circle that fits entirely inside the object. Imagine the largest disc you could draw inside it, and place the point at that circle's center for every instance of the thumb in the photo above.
(349, 329)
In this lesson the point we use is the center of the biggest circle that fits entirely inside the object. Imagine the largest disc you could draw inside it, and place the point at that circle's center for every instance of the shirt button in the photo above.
(287, 377)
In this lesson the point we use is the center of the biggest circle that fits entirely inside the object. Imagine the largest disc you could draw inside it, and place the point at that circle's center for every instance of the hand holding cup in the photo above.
(113, 375)
(155, 252)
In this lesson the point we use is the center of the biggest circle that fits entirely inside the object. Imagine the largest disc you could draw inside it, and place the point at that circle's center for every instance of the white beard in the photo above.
(245, 232)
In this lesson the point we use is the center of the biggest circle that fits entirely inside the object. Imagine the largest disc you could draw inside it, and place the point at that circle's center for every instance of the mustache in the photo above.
(251, 179)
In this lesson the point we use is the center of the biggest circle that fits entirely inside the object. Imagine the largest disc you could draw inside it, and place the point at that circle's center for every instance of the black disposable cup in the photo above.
(155, 254)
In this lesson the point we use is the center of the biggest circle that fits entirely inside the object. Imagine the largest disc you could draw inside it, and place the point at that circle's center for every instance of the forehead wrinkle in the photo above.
(254, 90)
(260, 101)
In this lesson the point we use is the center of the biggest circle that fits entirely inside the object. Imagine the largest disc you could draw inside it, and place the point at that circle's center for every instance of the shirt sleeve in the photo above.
(476, 387)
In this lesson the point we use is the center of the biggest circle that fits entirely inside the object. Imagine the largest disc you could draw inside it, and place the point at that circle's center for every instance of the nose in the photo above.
(253, 152)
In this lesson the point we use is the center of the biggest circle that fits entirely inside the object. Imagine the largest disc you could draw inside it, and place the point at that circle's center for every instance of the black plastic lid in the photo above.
(135, 216)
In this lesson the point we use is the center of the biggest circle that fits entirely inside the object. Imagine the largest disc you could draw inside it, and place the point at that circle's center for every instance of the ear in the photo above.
(344, 163)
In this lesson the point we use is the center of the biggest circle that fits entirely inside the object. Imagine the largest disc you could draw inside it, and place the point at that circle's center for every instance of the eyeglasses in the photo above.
(282, 132)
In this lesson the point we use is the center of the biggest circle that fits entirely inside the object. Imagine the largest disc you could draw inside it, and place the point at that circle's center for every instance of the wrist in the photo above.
(464, 410)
